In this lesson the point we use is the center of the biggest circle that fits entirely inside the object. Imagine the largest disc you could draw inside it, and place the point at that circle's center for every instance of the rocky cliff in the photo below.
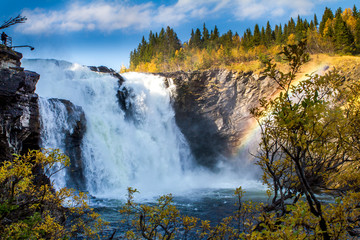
(212, 109)
(19, 113)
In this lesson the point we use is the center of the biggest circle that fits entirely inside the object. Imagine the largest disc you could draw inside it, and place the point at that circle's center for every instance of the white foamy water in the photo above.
(145, 149)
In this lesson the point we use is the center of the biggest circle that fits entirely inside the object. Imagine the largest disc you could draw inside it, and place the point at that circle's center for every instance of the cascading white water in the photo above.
(147, 151)
(141, 148)
(54, 115)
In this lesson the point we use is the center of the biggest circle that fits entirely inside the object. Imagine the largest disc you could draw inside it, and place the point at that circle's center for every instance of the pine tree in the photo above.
(291, 26)
(171, 44)
(227, 40)
(191, 40)
(316, 23)
(206, 36)
(286, 31)
(197, 42)
(338, 12)
(306, 25)
(312, 26)
(262, 36)
(268, 34)
(343, 36)
(328, 14)
(257, 35)
(355, 12)
(357, 33)
(215, 34)
(246, 41)
(278, 34)
(299, 29)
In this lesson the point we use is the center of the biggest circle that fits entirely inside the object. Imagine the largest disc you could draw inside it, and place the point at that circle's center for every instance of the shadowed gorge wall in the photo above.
(212, 109)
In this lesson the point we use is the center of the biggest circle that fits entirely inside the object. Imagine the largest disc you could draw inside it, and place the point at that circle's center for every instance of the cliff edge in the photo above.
(19, 112)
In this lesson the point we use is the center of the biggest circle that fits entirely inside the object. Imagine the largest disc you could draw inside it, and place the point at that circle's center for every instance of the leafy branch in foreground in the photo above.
(309, 141)
(163, 220)
(30, 208)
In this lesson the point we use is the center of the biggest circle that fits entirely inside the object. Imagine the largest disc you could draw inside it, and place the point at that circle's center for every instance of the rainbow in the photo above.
(253, 128)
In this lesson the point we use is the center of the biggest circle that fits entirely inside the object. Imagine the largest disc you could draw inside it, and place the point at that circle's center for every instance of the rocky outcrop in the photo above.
(212, 109)
(19, 113)
(71, 123)
(122, 94)
(112, 72)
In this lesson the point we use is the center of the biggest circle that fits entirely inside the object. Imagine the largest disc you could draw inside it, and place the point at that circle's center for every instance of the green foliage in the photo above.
(164, 221)
(164, 52)
(161, 221)
(307, 147)
(31, 209)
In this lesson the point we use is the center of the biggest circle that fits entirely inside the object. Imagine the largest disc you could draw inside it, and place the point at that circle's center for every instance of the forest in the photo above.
(336, 33)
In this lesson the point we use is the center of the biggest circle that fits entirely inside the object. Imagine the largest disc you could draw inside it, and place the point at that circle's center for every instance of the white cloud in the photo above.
(100, 16)
(109, 16)
(254, 9)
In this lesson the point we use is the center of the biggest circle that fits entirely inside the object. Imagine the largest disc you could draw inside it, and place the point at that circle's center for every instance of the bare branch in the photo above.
(13, 21)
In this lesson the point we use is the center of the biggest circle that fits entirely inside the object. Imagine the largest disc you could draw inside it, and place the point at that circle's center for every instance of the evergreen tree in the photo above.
(246, 41)
(206, 35)
(291, 26)
(299, 29)
(268, 34)
(316, 23)
(278, 34)
(338, 12)
(162, 34)
(328, 14)
(312, 26)
(196, 41)
(215, 35)
(191, 37)
(171, 44)
(306, 25)
(355, 12)
(357, 33)
(262, 36)
(257, 36)
(226, 39)
(286, 31)
(343, 36)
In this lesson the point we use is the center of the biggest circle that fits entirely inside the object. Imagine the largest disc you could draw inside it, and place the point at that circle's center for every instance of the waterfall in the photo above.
(145, 150)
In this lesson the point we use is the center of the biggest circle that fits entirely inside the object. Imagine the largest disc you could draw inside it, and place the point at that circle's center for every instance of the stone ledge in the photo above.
(9, 58)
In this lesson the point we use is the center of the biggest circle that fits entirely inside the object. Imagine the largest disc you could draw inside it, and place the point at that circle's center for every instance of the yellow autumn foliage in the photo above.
(32, 209)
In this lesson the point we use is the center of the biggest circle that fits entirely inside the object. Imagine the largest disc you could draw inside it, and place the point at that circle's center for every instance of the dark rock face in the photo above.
(19, 113)
(72, 136)
(103, 69)
(212, 109)
(123, 95)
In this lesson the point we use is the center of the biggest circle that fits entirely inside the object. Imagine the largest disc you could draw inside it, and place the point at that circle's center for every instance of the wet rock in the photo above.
(112, 72)
(73, 135)
(212, 109)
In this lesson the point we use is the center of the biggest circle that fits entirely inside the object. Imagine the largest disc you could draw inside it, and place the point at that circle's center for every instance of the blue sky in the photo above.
(103, 32)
